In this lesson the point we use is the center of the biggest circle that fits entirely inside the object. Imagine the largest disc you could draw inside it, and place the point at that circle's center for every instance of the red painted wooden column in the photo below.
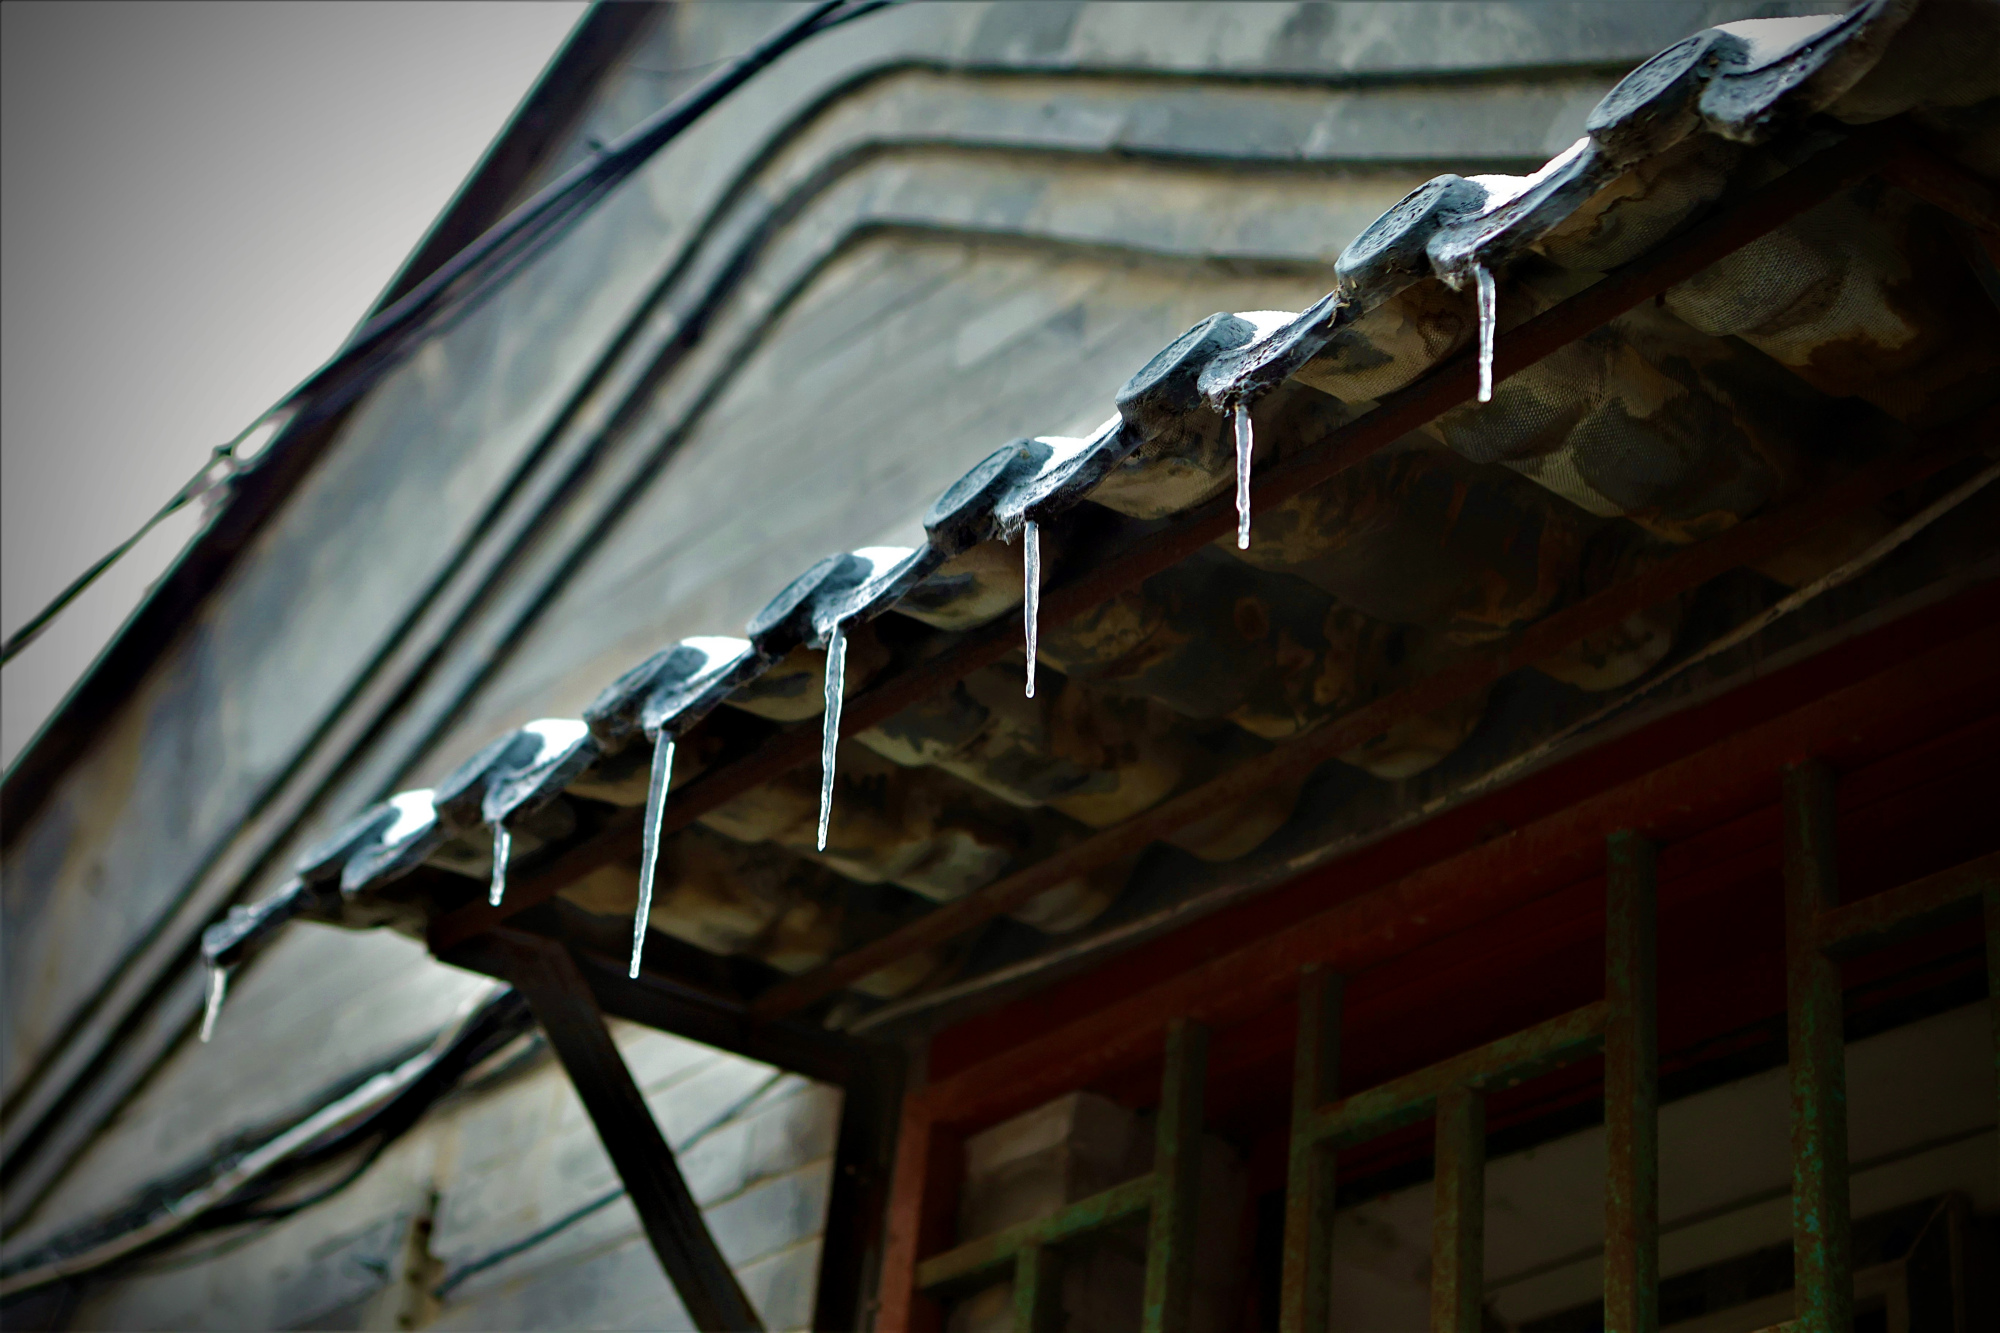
(923, 1201)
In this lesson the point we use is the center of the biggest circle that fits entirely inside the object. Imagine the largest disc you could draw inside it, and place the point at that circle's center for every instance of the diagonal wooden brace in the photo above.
(543, 971)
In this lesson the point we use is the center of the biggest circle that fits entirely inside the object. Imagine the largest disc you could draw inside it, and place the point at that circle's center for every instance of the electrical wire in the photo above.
(476, 1266)
(464, 282)
(197, 486)
(238, 1188)
(235, 1192)
(483, 1076)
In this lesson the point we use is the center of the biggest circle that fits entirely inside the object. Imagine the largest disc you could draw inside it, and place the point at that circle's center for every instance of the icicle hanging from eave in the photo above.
(1031, 587)
(836, 689)
(649, 846)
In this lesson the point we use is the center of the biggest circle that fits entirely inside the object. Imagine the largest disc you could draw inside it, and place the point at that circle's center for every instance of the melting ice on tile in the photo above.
(218, 988)
(414, 813)
(836, 689)
(1489, 320)
(649, 844)
(1031, 583)
(503, 846)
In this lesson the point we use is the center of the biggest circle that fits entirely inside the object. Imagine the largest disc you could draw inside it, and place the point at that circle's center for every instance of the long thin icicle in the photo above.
(1244, 443)
(503, 847)
(1031, 583)
(836, 690)
(1489, 329)
(649, 843)
(218, 987)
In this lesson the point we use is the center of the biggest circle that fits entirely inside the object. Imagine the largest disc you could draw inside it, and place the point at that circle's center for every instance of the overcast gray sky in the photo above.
(198, 200)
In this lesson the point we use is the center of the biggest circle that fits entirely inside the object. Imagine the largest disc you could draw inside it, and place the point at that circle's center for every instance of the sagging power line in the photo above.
(459, 286)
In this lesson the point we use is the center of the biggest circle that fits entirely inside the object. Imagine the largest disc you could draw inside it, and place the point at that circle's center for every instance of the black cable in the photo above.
(475, 1266)
(485, 1032)
(498, 1023)
(230, 1216)
(182, 1260)
(469, 277)
(197, 486)
(527, 1242)
(409, 316)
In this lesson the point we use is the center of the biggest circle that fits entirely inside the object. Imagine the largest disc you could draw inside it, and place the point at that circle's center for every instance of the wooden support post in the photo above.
(1991, 901)
(1309, 1184)
(1458, 1226)
(1823, 1292)
(922, 1215)
(1177, 1180)
(543, 971)
(851, 1253)
(1450, 1090)
(1631, 1089)
(1037, 1290)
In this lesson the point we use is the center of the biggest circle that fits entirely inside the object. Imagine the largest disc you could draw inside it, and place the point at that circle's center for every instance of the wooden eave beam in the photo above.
(673, 1004)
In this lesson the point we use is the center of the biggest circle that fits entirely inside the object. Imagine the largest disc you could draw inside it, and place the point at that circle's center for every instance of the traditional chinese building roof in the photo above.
(1557, 451)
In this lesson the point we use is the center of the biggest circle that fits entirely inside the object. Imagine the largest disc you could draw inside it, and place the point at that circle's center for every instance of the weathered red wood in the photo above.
(923, 1205)
(1594, 771)
(1720, 902)
(1938, 180)
(1922, 696)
